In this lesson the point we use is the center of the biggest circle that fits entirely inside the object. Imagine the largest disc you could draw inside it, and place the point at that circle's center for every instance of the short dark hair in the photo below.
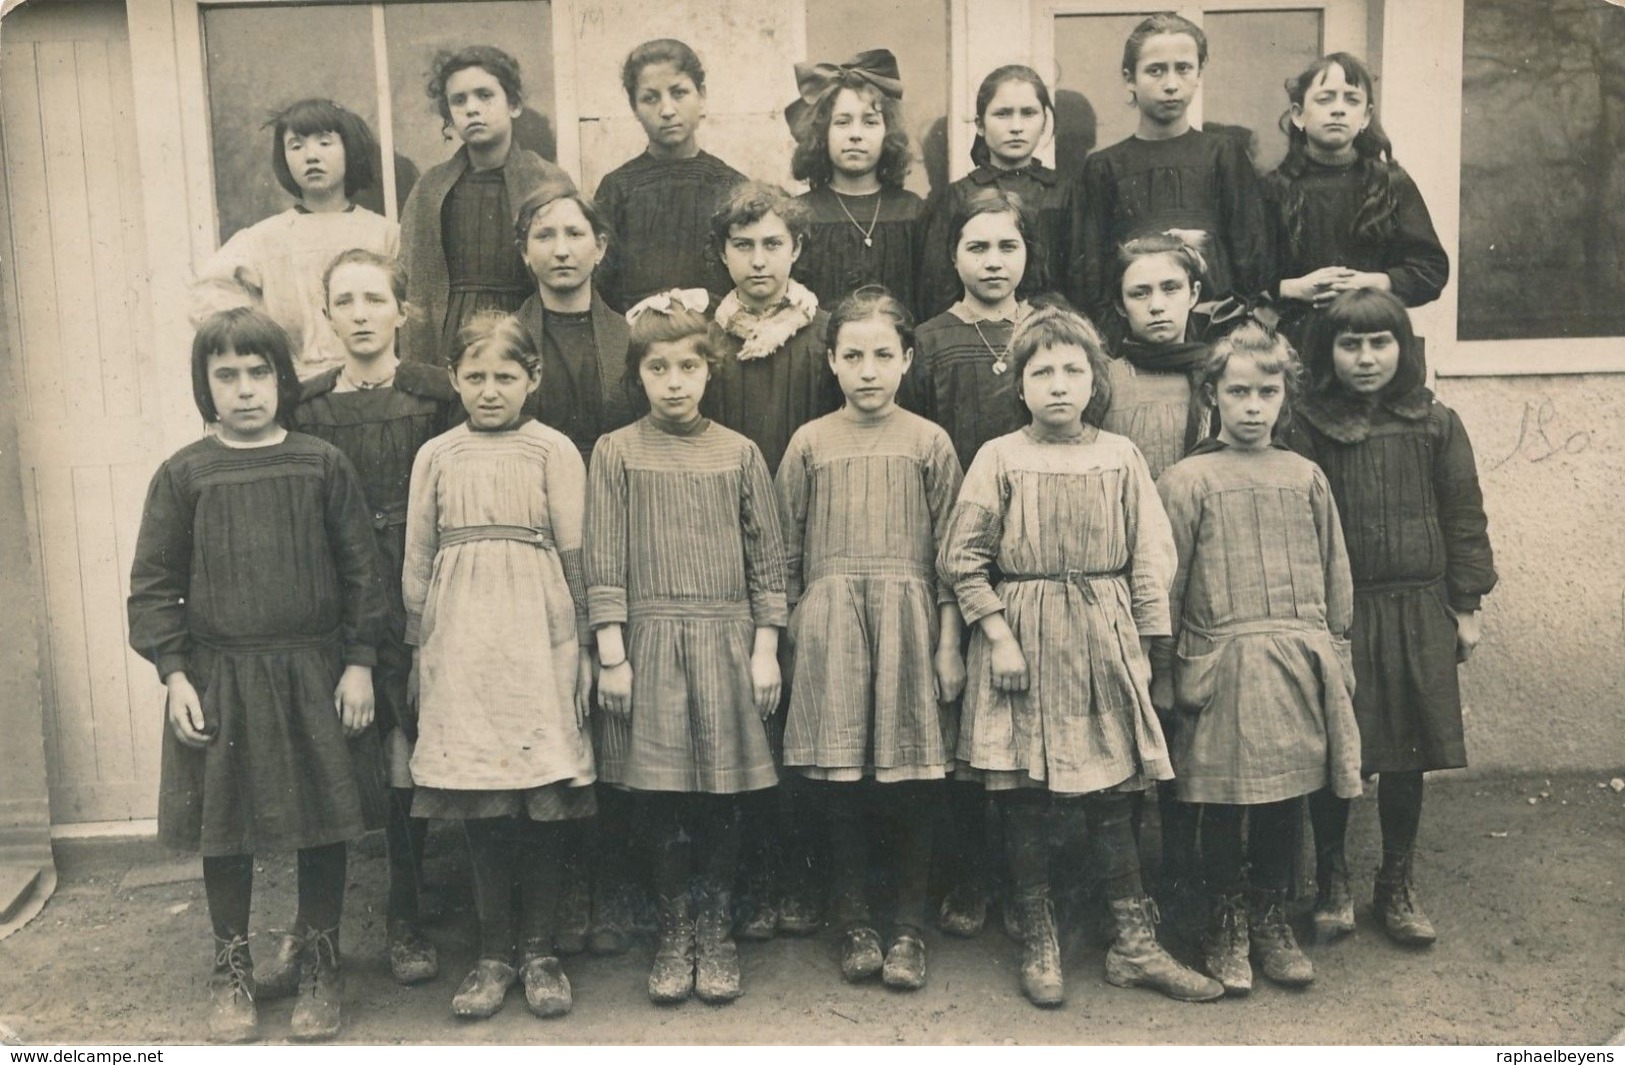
(748, 203)
(661, 50)
(500, 332)
(980, 154)
(1155, 25)
(1273, 353)
(312, 116)
(1056, 324)
(244, 331)
(1131, 251)
(811, 162)
(1363, 310)
(675, 323)
(864, 303)
(494, 61)
(994, 200)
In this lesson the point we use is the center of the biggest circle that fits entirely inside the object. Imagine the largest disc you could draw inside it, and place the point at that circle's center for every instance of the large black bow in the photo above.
(876, 66)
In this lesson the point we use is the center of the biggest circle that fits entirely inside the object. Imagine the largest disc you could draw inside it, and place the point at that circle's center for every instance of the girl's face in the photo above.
(1157, 299)
(493, 388)
(481, 112)
(991, 257)
(1057, 384)
(363, 311)
(1165, 78)
(857, 130)
(674, 375)
(1012, 124)
(759, 257)
(316, 161)
(1365, 362)
(561, 249)
(244, 390)
(1249, 399)
(869, 361)
(1334, 111)
(670, 108)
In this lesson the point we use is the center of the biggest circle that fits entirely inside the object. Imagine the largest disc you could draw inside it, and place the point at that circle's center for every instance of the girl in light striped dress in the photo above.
(865, 494)
(685, 591)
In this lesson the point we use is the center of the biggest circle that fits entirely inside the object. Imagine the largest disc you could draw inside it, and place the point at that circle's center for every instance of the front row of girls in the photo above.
(1056, 555)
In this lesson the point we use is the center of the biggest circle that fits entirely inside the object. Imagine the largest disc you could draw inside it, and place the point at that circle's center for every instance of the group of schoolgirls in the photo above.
(509, 558)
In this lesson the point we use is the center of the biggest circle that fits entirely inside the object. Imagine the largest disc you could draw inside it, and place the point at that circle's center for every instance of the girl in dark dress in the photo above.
(852, 150)
(1014, 115)
(659, 204)
(255, 592)
(1402, 472)
(457, 224)
(379, 412)
(1169, 177)
(1342, 214)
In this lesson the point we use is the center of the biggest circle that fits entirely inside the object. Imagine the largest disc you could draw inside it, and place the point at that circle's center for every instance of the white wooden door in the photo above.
(81, 376)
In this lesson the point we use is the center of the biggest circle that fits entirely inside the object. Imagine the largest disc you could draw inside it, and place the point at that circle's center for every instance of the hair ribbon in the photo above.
(815, 81)
(690, 299)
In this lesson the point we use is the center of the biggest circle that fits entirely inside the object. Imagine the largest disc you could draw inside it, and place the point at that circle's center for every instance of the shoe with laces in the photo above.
(233, 1017)
(317, 1014)
(1274, 943)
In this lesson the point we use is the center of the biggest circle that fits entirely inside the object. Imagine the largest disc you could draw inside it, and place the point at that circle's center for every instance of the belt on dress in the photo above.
(674, 609)
(1083, 580)
(277, 644)
(523, 534)
(1253, 626)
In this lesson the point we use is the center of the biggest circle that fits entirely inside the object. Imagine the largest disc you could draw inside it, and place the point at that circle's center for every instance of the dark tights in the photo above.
(1399, 809)
(403, 840)
(616, 842)
(1109, 817)
(691, 834)
(229, 884)
(515, 861)
(887, 826)
(966, 842)
(1266, 859)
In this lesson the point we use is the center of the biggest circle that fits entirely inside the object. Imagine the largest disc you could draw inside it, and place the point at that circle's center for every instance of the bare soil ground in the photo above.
(1529, 900)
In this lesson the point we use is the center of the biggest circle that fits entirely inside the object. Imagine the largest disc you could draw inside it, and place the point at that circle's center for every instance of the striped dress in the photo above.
(1084, 557)
(684, 549)
(495, 605)
(1261, 609)
(865, 505)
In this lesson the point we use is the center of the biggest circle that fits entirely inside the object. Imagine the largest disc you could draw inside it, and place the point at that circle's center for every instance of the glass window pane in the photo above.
(414, 32)
(1252, 54)
(1091, 101)
(260, 59)
(916, 31)
(1542, 159)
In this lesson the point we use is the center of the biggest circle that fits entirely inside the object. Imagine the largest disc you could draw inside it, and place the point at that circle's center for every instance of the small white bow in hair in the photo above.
(691, 299)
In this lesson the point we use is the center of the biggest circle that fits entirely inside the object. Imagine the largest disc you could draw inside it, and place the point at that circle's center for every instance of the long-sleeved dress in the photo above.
(1403, 474)
(954, 383)
(1153, 402)
(255, 573)
(380, 431)
(1261, 607)
(769, 398)
(277, 264)
(1325, 201)
(1042, 190)
(496, 607)
(1198, 181)
(659, 211)
(583, 361)
(864, 506)
(1084, 557)
(684, 550)
(837, 257)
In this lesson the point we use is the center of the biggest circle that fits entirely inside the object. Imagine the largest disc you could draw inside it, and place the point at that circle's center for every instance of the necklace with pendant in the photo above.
(868, 234)
(366, 386)
(999, 363)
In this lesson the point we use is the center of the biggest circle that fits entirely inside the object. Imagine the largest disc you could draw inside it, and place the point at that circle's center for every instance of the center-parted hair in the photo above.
(1269, 350)
(1056, 325)
(864, 303)
(1156, 25)
(314, 116)
(980, 154)
(1131, 251)
(244, 331)
(494, 61)
(812, 163)
(499, 333)
(751, 201)
(1363, 310)
(661, 50)
(994, 200)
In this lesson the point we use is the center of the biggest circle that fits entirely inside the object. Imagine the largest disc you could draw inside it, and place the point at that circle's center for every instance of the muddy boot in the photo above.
(799, 911)
(412, 958)
(1393, 900)
(1226, 945)
(964, 911)
(277, 974)
(575, 911)
(611, 919)
(905, 961)
(233, 1017)
(321, 988)
(758, 913)
(1279, 955)
(1334, 903)
(1041, 978)
(1136, 959)
(716, 961)
(483, 990)
(861, 956)
(671, 977)
(547, 989)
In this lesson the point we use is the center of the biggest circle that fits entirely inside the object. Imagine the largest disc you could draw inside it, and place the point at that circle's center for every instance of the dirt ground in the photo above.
(1529, 899)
